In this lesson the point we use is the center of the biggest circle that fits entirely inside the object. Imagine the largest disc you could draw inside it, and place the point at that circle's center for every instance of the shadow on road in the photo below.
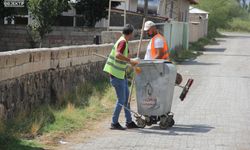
(194, 62)
(238, 36)
(215, 49)
(177, 130)
(220, 40)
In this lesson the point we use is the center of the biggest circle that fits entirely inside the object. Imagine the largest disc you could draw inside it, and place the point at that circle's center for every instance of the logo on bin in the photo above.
(150, 101)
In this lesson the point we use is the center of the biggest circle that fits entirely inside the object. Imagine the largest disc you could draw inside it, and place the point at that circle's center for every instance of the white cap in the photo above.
(148, 25)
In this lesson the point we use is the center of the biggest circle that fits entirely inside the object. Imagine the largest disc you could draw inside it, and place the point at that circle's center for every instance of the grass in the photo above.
(190, 54)
(239, 25)
(195, 48)
(182, 55)
(8, 142)
(73, 118)
(199, 45)
(89, 102)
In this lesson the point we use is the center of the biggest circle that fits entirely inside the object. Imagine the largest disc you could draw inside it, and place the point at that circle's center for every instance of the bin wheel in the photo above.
(163, 125)
(164, 122)
(148, 121)
(141, 123)
(171, 122)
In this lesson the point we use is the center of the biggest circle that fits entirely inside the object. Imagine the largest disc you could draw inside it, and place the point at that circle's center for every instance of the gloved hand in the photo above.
(133, 62)
(137, 69)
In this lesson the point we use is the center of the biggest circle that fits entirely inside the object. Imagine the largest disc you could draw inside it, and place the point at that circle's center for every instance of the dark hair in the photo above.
(128, 29)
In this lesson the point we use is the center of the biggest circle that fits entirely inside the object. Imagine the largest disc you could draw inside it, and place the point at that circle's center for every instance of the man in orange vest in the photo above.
(157, 47)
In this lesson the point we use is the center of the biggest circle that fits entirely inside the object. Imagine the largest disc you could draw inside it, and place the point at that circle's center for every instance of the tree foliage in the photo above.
(221, 12)
(44, 13)
(93, 10)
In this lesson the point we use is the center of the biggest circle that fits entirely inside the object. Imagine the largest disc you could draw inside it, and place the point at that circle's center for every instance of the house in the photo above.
(198, 26)
(130, 6)
(176, 30)
(158, 11)
(171, 16)
(177, 10)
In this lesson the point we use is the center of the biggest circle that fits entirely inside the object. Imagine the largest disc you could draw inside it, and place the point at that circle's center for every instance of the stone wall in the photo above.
(31, 77)
(13, 37)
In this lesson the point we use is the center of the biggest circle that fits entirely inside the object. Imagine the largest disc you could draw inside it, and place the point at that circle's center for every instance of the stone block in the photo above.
(93, 49)
(54, 63)
(22, 58)
(5, 74)
(16, 71)
(46, 55)
(55, 53)
(65, 62)
(110, 36)
(9, 60)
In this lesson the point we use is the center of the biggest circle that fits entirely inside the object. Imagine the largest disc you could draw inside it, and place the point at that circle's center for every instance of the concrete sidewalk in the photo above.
(215, 114)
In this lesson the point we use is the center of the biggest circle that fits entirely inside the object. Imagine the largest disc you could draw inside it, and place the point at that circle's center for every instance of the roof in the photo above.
(193, 1)
(193, 10)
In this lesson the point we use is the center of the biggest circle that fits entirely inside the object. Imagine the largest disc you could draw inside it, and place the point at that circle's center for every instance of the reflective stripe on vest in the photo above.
(165, 48)
(113, 65)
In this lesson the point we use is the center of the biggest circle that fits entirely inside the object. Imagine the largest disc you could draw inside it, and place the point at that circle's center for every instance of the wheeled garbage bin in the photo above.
(154, 92)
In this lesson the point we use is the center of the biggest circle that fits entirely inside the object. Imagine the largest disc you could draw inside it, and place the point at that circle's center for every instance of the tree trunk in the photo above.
(41, 43)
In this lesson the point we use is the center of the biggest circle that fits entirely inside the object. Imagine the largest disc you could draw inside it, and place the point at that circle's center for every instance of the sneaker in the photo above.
(131, 125)
(117, 126)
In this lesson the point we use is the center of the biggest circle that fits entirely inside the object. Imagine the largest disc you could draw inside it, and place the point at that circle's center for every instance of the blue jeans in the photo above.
(122, 92)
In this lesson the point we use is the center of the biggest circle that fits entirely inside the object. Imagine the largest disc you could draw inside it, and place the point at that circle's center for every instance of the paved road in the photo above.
(215, 115)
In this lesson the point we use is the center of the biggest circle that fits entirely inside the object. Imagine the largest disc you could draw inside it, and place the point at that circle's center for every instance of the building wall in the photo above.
(131, 5)
(183, 10)
(132, 18)
(162, 8)
(30, 78)
(177, 10)
(198, 26)
(16, 37)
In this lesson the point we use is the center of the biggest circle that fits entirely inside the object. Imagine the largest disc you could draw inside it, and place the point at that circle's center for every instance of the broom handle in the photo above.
(138, 53)
(139, 46)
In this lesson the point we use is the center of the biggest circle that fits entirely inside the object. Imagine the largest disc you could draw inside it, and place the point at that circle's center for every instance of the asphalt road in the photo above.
(215, 114)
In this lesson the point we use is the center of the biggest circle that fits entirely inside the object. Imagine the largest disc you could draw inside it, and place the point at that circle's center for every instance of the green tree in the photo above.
(93, 10)
(248, 7)
(221, 12)
(44, 13)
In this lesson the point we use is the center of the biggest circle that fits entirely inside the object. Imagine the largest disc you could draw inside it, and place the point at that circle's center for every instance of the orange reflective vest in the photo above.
(165, 48)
